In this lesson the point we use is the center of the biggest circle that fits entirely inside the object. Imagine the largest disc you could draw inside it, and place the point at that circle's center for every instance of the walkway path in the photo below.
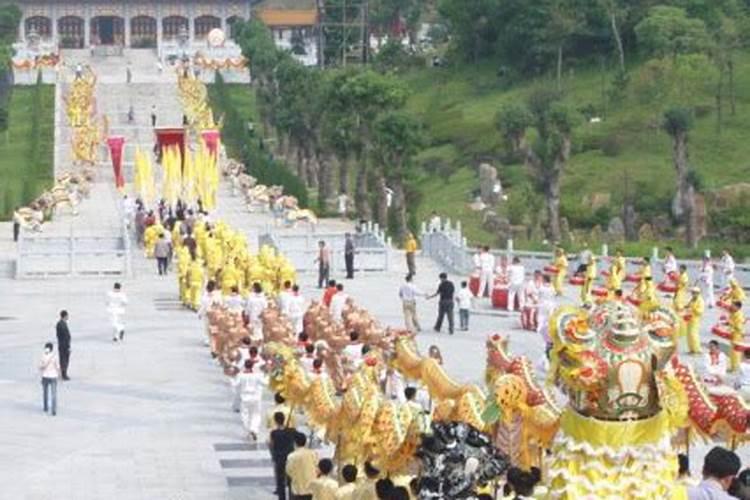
(150, 418)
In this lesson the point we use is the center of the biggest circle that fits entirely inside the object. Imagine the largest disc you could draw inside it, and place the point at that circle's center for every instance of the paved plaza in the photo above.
(150, 418)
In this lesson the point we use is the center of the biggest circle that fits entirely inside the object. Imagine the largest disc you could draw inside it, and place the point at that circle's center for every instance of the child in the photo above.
(463, 299)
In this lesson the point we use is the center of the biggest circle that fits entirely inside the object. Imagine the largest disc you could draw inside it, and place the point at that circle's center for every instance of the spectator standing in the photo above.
(408, 294)
(516, 277)
(324, 263)
(50, 370)
(411, 251)
(463, 300)
(63, 343)
(17, 220)
(281, 444)
(153, 115)
(349, 256)
(485, 264)
(727, 267)
(446, 290)
(162, 250)
(719, 468)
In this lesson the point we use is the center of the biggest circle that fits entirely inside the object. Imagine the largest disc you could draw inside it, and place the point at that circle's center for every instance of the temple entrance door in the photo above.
(106, 30)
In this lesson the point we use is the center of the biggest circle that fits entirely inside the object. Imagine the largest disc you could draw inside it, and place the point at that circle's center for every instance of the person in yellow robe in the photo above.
(183, 266)
(561, 263)
(649, 298)
(734, 293)
(680, 294)
(616, 274)
(737, 328)
(150, 235)
(195, 283)
(645, 271)
(410, 246)
(230, 277)
(324, 487)
(694, 313)
(589, 277)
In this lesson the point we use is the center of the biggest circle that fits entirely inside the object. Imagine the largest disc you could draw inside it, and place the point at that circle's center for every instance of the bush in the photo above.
(613, 144)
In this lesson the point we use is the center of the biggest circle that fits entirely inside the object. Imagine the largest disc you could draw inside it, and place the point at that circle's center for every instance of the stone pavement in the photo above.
(150, 418)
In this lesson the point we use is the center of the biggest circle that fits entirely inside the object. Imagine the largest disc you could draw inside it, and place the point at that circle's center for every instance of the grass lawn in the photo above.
(22, 181)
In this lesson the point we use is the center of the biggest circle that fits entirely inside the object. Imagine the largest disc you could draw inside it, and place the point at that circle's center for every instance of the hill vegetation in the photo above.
(596, 113)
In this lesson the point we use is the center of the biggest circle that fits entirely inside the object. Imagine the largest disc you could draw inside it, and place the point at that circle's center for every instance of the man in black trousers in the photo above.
(63, 343)
(281, 444)
(446, 291)
(349, 256)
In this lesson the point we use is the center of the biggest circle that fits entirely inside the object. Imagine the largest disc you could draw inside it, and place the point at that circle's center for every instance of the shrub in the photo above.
(613, 144)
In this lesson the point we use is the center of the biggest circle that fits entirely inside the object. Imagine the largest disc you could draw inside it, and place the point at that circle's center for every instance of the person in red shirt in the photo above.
(329, 292)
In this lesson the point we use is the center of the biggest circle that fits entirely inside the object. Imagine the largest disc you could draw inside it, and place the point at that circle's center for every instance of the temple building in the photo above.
(166, 25)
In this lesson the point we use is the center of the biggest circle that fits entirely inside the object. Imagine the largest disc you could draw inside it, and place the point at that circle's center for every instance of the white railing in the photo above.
(372, 249)
(449, 248)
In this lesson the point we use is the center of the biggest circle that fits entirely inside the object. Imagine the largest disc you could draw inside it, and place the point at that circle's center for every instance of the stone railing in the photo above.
(447, 246)
(40, 256)
(372, 248)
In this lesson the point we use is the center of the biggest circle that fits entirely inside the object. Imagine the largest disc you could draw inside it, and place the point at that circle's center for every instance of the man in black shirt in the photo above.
(349, 256)
(63, 343)
(281, 444)
(445, 290)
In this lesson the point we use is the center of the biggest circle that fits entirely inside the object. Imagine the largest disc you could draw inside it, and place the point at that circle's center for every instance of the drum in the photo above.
(474, 284)
(552, 270)
(576, 280)
(633, 278)
(667, 287)
(599, 292)
(635, 301)
(723, 304)
(500, 298)
(722, 331)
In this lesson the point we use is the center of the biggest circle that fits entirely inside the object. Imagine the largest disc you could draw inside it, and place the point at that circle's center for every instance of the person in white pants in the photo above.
(727, 268)
(517, 275)
(296, 310)
(486, 263)
(706, 281)
(546, 306)
(116, 302)
(251, 385)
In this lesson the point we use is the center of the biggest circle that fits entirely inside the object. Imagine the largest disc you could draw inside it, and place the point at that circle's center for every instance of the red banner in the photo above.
(116, 144)
(170, 137)
(211, 138)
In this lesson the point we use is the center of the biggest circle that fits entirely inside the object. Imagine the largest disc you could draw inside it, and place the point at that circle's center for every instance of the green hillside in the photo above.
(460, 104)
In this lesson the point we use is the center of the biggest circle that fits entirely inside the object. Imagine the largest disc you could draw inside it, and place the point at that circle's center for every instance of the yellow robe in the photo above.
(680, 295)
(561, 263)
(588, 282)
(737, 327)
(183, 266)
(649, 299)
(195, 282)
(695, 309)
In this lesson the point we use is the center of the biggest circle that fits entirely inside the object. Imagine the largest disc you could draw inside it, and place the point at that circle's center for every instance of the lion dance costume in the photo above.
(614, 439)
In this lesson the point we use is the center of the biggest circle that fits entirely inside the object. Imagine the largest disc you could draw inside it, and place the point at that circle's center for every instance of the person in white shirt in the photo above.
(529, 312)
(727, 268)
(251, 383)
(338, 302)
(715, 364)
(463, 301)
(296, 310)
(343, 202)
(128, 210)
(720, 466)
(743, 379)
(353, 352)
(408, 294)
(285, 298)
(486, 266)
(211, 297)
(517, 275)
(706, 281)
(49, 366)
(435, 225)
(308, 358)
(670, 263)
(546, 306)
(116, 302)
(254, 307)
(235, 303)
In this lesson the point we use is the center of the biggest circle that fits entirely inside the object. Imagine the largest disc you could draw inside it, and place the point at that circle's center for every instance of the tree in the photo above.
(677, 123)
(397, 138)
(550, 152)
(474, 25)
(668, 31)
